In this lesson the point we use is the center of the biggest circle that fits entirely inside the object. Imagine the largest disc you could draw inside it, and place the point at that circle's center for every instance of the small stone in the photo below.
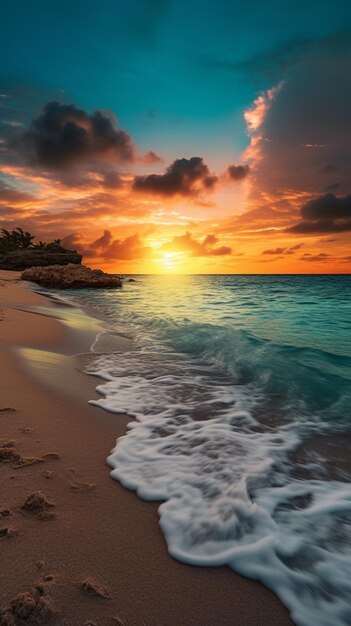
(94, 588)
(48, 578)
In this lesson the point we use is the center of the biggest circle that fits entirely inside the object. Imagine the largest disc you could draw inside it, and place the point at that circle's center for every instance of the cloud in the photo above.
(290, 250)
(299, 130)
(296, 247)
(72, 241)
(332, 187)
(262, 220)
(108, 248)
(103, 242)
(127, 249)
(187, 243)
(276, 61)
(64, 135)
(325, 214)
(275, 251)
(113, 180)
(185, 177)
(316, 258)
(327, 207)
(151, 157)
(238, 172)
(11, 196)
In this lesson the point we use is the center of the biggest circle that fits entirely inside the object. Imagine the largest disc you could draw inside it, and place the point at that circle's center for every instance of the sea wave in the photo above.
(223, 397)
(218, 414)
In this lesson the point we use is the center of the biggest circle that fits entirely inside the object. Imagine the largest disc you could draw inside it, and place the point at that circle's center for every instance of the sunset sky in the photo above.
(164, 136)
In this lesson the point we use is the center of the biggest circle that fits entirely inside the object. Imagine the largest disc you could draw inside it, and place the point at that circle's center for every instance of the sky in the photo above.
(166, 136)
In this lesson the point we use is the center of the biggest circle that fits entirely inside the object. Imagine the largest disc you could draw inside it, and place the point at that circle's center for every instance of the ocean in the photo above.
(240, 390)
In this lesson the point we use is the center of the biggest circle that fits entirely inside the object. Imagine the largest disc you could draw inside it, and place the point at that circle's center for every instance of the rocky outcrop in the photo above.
(21, 259)
(71, 277)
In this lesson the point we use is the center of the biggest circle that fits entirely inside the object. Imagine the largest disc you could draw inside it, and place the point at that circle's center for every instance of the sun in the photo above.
(171, 260)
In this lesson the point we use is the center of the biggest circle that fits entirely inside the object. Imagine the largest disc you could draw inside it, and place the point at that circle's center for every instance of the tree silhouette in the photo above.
(19, 239)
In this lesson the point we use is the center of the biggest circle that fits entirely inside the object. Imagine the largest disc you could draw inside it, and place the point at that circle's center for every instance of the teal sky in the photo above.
(178, 75)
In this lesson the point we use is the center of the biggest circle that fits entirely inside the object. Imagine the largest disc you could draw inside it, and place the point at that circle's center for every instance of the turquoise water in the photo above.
(227, 377)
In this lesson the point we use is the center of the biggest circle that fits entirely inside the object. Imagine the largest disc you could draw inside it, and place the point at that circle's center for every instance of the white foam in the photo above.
(229, 497)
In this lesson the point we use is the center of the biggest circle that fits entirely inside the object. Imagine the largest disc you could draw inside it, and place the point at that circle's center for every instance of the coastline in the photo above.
(101, 531)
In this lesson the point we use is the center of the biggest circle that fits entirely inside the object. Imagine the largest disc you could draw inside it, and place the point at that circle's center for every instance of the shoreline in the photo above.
(101, 532)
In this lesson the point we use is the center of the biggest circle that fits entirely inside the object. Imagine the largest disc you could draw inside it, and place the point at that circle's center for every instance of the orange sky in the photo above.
(139, 213)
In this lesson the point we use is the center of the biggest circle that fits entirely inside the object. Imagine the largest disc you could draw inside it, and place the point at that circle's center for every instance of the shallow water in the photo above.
(227, 376)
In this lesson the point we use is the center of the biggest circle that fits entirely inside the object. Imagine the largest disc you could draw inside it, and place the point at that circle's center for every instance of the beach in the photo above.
(91, 549)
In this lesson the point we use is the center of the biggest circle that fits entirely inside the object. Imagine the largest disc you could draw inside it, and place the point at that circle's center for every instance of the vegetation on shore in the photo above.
(18, 252)
(18, 239)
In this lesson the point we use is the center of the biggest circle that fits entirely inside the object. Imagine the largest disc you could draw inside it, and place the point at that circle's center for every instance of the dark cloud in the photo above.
(238, 172)
(186, 177)
(327, 207)
(64, 135)
(332, 187)
(329, 168)
(300, 130)
(187, 243)
(326, 214)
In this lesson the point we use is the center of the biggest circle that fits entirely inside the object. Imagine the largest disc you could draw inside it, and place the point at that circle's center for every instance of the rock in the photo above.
(21, 259)
(71, 277)
(95, 588)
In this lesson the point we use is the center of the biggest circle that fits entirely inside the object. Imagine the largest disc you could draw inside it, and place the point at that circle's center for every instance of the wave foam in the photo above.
(226, 377)
(225, 477)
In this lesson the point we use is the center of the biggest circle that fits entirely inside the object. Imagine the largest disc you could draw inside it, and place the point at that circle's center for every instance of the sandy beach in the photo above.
(78, 547)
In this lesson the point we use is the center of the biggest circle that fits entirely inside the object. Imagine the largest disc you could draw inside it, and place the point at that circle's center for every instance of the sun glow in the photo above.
(171, 260)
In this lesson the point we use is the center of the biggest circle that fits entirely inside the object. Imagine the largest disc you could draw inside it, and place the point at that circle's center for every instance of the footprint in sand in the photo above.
(9, 454)
(50, 455)
(74, 481)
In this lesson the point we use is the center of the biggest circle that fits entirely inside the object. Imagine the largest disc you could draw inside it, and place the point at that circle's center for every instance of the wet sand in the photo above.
(76, 546)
